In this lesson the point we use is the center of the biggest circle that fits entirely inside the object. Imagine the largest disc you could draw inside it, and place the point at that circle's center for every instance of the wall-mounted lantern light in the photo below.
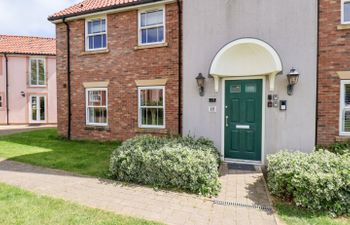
(23, 94)
(200, 82)
(293, 78)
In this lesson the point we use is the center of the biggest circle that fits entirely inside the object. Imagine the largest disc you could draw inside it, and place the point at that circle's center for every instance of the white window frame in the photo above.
(148, 10)
(343, 12)
(141, 107)
(87, 35)
(342, 107)
(87, 107)
(37, 72)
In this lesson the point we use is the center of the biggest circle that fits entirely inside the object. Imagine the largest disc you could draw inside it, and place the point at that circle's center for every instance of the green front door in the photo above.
(243, 119)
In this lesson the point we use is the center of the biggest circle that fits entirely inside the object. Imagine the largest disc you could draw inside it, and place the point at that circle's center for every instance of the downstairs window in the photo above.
(345, 107)
(151, 107)
(96, 106)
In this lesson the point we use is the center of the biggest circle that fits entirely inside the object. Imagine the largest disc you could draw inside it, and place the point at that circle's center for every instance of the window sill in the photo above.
(151, 131)
(104, 51)
(342, 138)
(343, 27)
(37, 86)
(97, 128)
(162, 45)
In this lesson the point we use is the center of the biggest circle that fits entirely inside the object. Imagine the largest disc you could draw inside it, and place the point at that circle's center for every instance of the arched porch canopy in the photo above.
(246, 57)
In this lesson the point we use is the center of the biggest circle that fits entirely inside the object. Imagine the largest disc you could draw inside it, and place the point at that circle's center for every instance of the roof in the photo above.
(91, 6)
(27, 45)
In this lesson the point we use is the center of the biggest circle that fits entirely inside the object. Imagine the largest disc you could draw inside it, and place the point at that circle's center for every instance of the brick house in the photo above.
(27, 80)
(121, 68)
(118, 68)
(333, 72)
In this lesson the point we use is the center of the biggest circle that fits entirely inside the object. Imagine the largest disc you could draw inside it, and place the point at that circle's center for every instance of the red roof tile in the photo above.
(27, 45)
(89, 6)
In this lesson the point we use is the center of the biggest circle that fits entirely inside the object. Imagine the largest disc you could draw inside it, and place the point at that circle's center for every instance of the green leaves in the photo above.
(319, 181)
(182, 163)
(337, 148)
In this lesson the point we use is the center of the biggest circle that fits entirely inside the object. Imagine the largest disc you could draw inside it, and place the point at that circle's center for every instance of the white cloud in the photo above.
(29, 17)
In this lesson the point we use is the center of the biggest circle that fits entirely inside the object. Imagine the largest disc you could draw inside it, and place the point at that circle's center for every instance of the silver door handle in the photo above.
(226, 121)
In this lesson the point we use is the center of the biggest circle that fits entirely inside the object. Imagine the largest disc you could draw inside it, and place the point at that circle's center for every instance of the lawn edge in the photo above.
(56, 198)
(278, 220)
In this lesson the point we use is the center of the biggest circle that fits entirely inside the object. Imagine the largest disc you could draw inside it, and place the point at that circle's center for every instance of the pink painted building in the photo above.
(27, 80)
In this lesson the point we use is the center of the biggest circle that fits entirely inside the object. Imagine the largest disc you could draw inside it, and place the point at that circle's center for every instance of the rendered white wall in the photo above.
(290, 27)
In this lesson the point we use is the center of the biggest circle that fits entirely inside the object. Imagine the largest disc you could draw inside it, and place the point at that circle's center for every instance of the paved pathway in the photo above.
(12, 129)
(241, 190)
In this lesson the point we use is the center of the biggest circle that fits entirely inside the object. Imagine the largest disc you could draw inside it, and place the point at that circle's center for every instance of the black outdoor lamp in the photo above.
(200, 82)
(293, 78)
(23, 94)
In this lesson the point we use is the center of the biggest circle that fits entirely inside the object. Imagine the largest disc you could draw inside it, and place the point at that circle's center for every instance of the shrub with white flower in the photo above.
(319, 181)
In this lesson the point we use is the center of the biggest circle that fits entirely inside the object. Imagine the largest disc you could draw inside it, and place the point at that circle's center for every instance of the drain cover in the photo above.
(227, 203)
(235, 166)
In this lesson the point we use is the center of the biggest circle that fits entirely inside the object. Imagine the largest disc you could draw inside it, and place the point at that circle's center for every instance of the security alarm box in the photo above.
(283, 105)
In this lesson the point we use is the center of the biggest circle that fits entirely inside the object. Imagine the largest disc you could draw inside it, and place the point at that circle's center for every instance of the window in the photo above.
(1, 101)
(345, 11)
(96, 34)
(250, 88)
(151, 107)
(235, 88)
(151, 27)
(96, 106)
(345, 108)
(37, 72)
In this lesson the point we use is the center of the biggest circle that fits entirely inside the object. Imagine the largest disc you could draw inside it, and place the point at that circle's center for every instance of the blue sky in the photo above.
(29, 17)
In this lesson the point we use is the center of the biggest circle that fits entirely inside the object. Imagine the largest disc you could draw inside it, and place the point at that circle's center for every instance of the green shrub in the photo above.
(319, 181)
(337, 148)
(183, 163)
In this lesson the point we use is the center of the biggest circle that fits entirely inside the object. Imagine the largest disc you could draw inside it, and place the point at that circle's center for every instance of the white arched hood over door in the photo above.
(246, 57)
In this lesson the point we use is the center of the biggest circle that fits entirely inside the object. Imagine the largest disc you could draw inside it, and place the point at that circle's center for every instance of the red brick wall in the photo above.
(122, 65)
(334, 55)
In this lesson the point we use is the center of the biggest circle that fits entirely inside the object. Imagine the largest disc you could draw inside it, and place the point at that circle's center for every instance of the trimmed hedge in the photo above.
(319, 181)
(182, 163)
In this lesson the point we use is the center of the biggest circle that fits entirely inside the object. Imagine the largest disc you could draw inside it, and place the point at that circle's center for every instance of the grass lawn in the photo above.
(292, 215)
(45, 148)
(25, 208)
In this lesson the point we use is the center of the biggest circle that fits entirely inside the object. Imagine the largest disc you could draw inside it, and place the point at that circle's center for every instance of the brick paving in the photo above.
(243, 187)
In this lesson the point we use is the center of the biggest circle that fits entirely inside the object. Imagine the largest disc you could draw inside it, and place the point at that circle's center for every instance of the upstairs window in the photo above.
(151, 27)
(96, 34)
(96, 107)
(37, 72)
(345, 107)
(345, 12)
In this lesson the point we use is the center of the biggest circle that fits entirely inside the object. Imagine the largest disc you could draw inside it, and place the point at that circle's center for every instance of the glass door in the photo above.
(37, 109)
